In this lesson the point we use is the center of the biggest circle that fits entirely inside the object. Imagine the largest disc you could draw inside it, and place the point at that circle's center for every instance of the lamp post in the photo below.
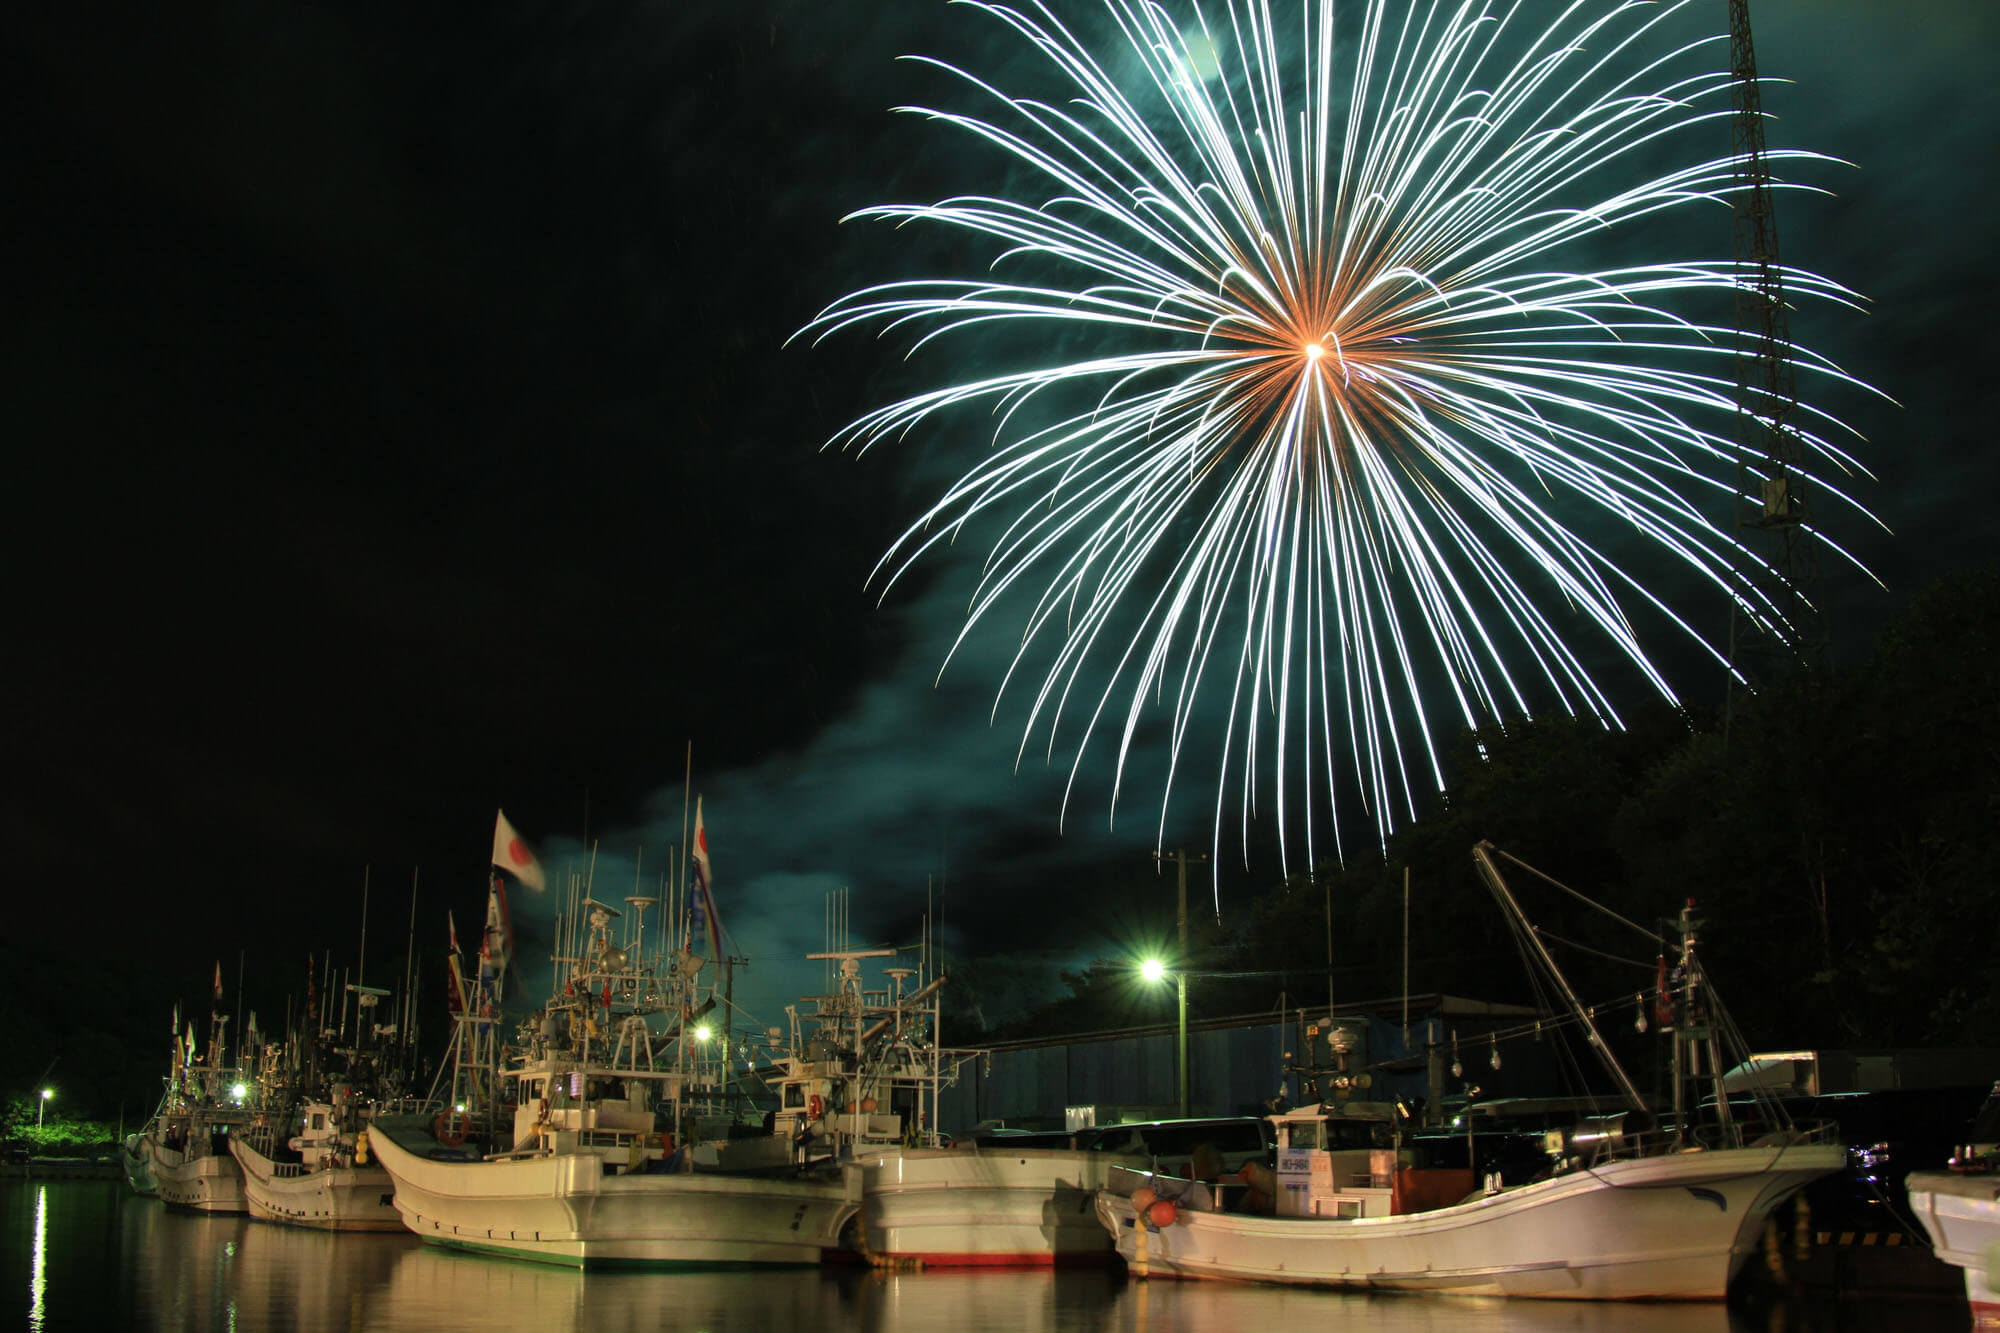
(1181, 860)
(42, 1105)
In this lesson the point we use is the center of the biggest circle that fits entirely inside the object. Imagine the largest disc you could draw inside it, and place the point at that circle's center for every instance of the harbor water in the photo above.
(89, 1255)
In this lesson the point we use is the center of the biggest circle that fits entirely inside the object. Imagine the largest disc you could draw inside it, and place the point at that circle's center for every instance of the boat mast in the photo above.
(1695, 1034)
(1482, 856)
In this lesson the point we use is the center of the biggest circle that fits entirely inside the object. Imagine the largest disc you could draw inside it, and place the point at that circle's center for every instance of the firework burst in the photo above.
(1319, 421)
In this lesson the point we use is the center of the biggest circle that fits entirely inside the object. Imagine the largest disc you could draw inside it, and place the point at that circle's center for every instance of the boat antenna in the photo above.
(361, 967)
(239, 1004)
(1406, 958)
(409, 961)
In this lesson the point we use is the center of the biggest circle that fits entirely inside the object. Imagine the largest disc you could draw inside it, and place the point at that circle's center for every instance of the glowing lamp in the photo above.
(1152, 969)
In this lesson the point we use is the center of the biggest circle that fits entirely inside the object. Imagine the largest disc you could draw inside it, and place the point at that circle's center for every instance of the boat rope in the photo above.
(1646, 965)
(1585, 900)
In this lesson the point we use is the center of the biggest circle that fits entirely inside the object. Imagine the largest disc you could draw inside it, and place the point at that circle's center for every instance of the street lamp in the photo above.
(42, 1106)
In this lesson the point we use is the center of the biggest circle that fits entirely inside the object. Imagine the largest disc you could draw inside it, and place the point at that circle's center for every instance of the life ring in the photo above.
(815, 1108)
(452, 1128)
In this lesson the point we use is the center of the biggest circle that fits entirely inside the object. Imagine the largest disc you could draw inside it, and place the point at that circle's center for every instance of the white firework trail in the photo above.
(1342, 411)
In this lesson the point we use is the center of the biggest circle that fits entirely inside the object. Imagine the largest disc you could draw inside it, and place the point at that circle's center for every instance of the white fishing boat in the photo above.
(328, 1179)
(309, 1165)
(861, 1084)
(1632, 1206)
(185, 1149)
(189, 1161)
(1959, 1208)
(580, 1164)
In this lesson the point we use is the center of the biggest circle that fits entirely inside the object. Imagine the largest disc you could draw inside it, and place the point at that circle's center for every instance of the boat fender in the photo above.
(815, 1108)
(1142, 1199)
(1163, 1213)
(361, 1148)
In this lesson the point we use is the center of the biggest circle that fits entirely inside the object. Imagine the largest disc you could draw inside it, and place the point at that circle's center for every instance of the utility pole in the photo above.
(1180, 859)
(1775, 612)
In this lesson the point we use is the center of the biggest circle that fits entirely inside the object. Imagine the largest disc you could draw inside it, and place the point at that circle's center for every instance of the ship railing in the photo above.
(1756, 1134)
(288, 1170)
(1124, 1179)
(1705, 1137)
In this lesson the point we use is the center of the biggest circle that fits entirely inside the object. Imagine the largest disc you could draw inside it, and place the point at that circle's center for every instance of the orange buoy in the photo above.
(452, 1128)
(1163, 1213)
(1142, 1199)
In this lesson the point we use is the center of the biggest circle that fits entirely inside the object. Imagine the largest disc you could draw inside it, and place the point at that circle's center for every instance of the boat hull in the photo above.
(134, 1157)
(1669, 1228)
(1961, 1213)
(565, 1209)
(342, 1198)
(207, 1183)
(983, 1208)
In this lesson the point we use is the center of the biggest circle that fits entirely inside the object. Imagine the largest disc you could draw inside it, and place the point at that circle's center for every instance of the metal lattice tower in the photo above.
(1777, 557)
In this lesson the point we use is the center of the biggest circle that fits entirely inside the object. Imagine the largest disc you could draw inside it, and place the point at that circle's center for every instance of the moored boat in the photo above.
(585, 1204)
(1959, 1208)
(861, 1085)
(579, 1165)
(983, 1206)
(188, 1158)
(1630, 1206)
(327, 1181)
(184, 1151)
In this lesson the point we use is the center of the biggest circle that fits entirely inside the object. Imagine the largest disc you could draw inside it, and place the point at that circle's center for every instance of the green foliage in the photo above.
(57, 1134)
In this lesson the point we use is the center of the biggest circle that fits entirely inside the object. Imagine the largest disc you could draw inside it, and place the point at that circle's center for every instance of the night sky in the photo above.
(402, 427)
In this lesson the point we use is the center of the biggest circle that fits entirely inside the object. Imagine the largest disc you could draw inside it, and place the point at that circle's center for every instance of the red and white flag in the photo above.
(704, 926)
(512, 855)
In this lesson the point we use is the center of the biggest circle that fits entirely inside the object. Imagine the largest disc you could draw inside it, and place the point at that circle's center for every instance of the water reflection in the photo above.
(92, 1256)
(38, 1281)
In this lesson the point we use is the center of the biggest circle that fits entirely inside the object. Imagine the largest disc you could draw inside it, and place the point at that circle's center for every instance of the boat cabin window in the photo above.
(1338, 1135)
(795, 1096)
(319, 1120)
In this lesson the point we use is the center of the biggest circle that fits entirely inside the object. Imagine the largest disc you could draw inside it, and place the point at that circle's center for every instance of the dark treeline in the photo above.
(1839, 844)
